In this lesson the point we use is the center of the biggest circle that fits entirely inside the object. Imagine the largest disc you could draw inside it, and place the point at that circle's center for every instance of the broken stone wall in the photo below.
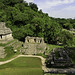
(34, 45)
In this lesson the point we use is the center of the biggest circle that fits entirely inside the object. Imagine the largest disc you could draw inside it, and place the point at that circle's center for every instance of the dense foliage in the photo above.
(66, 23)
(26, 20)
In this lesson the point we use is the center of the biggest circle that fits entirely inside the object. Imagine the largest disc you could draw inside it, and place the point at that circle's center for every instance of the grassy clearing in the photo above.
(21, 71)
(55, 74)
(22, 66)
(50, 49)
(54, 46)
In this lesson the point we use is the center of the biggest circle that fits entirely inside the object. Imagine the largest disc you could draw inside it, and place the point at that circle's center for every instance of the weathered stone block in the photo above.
(2, 52)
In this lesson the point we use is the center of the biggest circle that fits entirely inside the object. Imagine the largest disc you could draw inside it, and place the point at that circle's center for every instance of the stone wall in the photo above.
(6, 37)
(34, 40)
(34, 45)
(9, 37)
(5, 33)
(2, 52)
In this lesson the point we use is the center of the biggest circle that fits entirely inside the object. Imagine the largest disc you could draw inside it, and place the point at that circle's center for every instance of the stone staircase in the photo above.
(2, 52)
(10, 43)
(17, 45)
(31, 49)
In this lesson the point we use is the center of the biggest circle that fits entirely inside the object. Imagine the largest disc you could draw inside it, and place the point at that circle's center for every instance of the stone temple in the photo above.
(34, 45)
(5, 33)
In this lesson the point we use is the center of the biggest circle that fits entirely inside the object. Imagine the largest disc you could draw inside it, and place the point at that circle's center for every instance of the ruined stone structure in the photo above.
(34, 40)
(34, 45)
(59, 58)
(2, 52)
(5, 33)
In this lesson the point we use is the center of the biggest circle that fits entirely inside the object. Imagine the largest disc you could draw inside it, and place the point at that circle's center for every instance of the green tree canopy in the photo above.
(33, 6)
(66, 38)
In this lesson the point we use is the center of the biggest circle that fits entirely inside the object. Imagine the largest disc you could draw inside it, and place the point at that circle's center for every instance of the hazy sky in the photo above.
(56, 8)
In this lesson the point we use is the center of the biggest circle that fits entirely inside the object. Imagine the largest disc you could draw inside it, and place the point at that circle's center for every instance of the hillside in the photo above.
(26, 20)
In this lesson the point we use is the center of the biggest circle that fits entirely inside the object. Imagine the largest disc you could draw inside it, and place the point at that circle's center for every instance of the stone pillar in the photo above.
(26, 40)
(42, 40)
(36, 39)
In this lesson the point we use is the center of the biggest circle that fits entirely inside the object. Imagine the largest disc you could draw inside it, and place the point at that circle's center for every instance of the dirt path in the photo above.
(42, 60)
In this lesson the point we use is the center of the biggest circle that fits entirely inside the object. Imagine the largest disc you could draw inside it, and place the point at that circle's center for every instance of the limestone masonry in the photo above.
(2, 52)
(5, 33)
(34, 45)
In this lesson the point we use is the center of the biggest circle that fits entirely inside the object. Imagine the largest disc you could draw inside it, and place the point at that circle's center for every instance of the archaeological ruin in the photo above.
(34, 45)
(5, 33)
(59, 58)
(2, 52)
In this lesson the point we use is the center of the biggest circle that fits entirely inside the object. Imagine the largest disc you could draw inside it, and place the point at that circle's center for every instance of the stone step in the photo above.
(2, 52)
(17, 45)
(14, 43)
(11, 43)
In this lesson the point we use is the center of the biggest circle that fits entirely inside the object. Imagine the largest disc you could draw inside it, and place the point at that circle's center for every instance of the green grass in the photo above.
(10, 53)
(68, 30)
(50, 49)
(18, 48)
(22, 66)
(55, 74)
(9, 50)
(54, 46)
(1, 44)
(60, 74)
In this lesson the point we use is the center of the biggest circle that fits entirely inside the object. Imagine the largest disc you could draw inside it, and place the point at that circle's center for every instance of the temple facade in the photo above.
(34, 45)
(5, 33)
(34, 40)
